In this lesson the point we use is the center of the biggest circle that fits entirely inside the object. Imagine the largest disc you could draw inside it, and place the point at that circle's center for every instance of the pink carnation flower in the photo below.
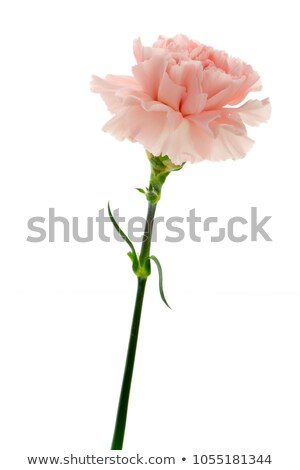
(182, 101)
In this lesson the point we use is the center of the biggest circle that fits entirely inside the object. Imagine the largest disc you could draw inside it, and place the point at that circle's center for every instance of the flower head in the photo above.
(184, 100)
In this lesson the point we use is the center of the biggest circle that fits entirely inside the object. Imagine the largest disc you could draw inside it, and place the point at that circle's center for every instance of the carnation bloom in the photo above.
(184, 100)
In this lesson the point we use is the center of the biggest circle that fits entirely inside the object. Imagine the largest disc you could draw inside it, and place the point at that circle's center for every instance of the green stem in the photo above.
(118, 437)
(161, 167)
(145, 250)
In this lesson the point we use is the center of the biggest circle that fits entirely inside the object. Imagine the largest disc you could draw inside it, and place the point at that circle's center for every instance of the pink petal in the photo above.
(138, 50)
(107, 92)
(204, 119)
(195, 100)
(229, 145)
(112, 87)
(174, 117)
(226, 136)
(220, 87)
(142, 53)
(149, 74)
(179, 146)
(254, 112)
(231, 139)
(251, 83)
(189, 75)
(138, 125)
(170, 93)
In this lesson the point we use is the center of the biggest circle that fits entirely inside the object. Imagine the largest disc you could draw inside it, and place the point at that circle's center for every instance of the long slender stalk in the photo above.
(119, 432)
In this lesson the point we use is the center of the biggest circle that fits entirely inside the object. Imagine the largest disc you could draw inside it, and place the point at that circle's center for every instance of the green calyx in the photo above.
(161, 167)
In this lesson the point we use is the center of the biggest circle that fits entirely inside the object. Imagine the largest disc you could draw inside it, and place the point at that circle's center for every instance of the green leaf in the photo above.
(135, 261)
(141, 190)
(160, 276)
(133, 256)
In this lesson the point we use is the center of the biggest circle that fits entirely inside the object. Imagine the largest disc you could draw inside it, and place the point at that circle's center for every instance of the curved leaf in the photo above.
(160, 276)
(134, 257)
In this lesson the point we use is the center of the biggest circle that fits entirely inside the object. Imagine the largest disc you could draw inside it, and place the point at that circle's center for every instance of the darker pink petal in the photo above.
(149, 74)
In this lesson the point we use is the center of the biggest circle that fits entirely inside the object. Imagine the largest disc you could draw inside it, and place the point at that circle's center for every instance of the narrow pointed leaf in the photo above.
(123, 235)
(160, 277)
(141, 190)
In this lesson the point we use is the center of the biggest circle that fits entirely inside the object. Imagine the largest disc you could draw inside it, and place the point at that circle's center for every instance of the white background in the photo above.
(220, 372)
